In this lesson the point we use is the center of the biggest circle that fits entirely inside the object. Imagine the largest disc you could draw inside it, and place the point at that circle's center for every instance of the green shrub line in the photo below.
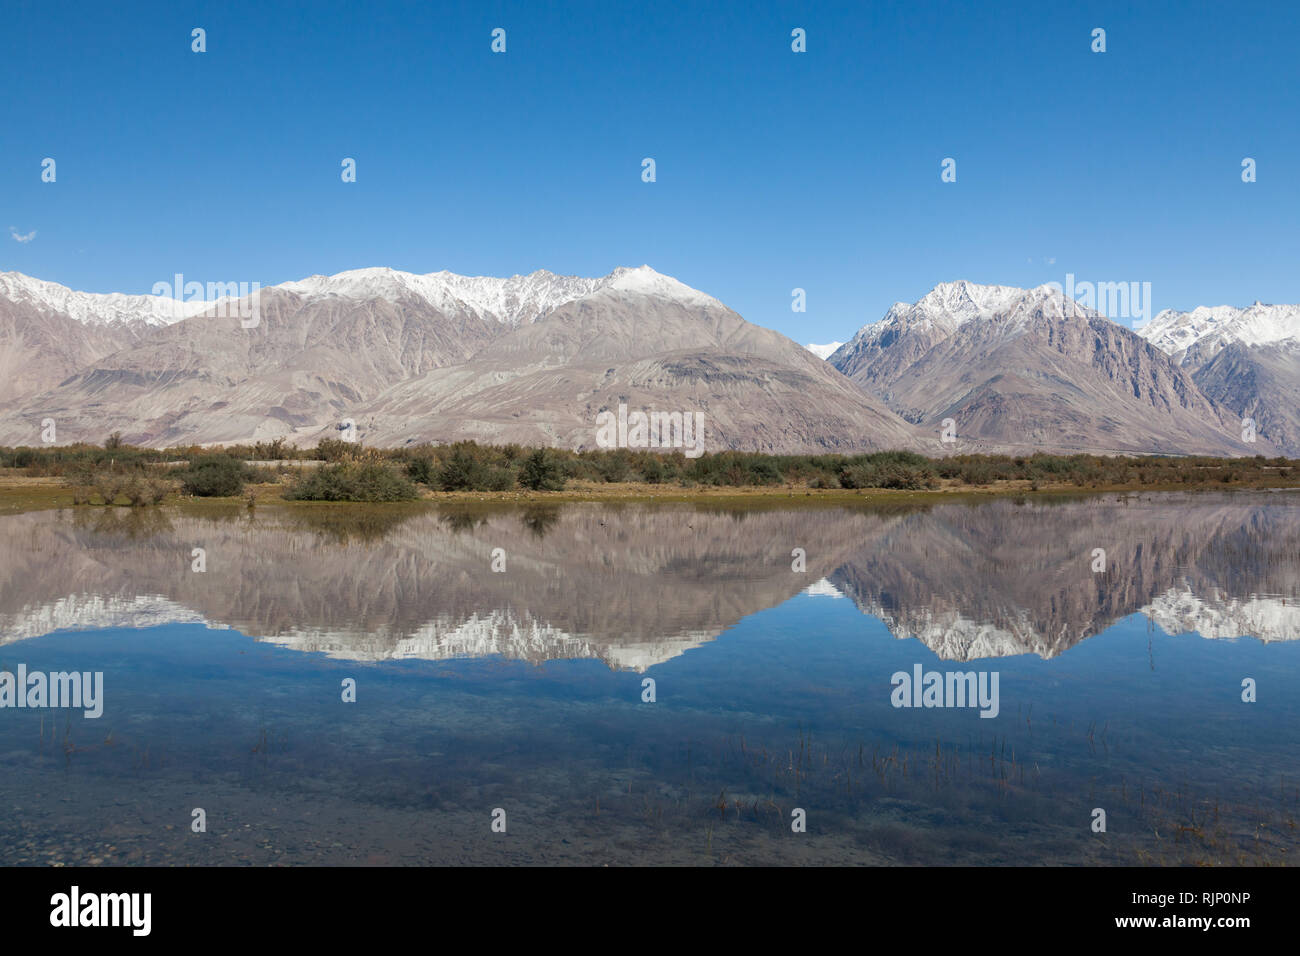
(214, 476)
(351, 472)
(352, 481)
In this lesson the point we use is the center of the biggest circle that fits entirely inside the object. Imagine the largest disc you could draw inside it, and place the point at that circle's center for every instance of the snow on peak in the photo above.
(518, 299)
(93, 308)
(962, 301)
(514, 300)
(823, 588)
(950, 305)
(1217, 615)
(1206, 330)
(823, 351)
(645, 281)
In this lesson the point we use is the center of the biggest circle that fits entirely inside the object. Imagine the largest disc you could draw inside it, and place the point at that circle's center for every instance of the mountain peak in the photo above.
(514, 300)
(1206, 330)
(823, 351)
(965, 300)
(518, 299)
(642, 280)
(944, 309)
(94, 308)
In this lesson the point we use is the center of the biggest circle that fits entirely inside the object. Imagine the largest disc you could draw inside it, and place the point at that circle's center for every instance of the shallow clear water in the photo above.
(522, 690)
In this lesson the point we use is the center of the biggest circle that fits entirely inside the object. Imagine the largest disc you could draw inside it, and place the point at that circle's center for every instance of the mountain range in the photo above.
(1247, 360)
(1018, 370)
(534, 359)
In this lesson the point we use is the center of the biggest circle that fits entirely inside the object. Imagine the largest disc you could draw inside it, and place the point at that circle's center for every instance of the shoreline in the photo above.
(21, 493)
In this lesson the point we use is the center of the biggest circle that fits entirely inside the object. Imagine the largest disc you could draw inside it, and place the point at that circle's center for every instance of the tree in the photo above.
(541, 472)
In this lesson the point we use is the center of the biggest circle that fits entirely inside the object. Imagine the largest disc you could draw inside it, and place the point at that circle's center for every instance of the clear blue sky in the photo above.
(775, 170)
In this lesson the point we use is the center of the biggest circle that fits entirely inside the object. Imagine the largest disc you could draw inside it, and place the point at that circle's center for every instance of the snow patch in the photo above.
(823, 351)
(1210, 329)
(93, 308)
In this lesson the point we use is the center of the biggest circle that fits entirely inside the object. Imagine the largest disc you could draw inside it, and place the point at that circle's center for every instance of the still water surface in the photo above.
(522, 690)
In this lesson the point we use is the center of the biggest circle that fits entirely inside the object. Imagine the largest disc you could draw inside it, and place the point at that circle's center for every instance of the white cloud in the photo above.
(13, 231)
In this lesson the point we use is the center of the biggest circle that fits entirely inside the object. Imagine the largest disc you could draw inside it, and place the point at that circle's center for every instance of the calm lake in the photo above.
(659, 683)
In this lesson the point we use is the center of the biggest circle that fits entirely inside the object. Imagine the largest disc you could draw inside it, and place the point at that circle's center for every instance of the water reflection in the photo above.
(635, 586)
(522, 689)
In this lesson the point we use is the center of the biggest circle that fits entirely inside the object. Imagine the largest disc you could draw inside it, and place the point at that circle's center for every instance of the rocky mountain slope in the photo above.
(650, 343)
(1017, 370)
(1247, 360)
(536, 358)
(410, 358)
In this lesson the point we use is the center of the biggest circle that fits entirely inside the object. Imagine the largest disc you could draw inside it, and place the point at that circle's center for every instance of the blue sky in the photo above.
(775, 170)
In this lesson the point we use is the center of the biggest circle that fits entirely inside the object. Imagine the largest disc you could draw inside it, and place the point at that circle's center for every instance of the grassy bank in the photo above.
(337, 471)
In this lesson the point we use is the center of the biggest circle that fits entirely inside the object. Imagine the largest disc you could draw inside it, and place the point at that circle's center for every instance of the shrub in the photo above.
(273, 450)
(344, 481)
(900, 477)
(653, 471)
(541, 472)
(496, 479)
(336, 449)
(377, 482)
(461, 472)
(420, 470)
(976, 473)
(582, 468)
(735, 468)
(614, 467)
(858, 476)
(762, 471)
(108, 486)
(141, 491)
(214, 476)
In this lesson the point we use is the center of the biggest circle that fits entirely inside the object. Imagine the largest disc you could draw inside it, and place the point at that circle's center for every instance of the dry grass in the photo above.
(22, 492)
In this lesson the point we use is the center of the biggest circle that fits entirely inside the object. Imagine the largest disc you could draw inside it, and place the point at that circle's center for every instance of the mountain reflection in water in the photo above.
(636, 585)
(523, 689)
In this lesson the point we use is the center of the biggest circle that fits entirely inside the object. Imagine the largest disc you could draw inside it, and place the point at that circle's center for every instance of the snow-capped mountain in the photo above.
(823, 351)
(94, 308)
(1195, 337)
(1246, 359)
(516, 300)
(939, 313)
(512, 301)
(438, 357)
(952, 304)
(442, 356)
(1017, 369)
